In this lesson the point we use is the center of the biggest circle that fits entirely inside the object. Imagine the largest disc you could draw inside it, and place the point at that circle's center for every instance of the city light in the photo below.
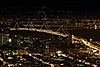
(49, 38)
(30, 54)
(59, 52)
(9, 40)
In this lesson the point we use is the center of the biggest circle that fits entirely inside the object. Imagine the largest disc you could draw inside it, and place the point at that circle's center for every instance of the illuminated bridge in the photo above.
(47, 30)
(85, 42)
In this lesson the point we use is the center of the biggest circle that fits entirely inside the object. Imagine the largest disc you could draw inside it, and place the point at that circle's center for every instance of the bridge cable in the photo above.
(62, 28)
(48, 28)
(31, 25)
(59, 28)
(27, 25)
(16, 24)
(66, 30)
(44, 26)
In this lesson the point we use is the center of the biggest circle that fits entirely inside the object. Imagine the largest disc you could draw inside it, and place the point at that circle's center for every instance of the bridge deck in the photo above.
(41, 30)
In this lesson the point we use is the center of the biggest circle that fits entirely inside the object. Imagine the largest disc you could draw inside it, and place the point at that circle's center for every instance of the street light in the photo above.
(9, 40)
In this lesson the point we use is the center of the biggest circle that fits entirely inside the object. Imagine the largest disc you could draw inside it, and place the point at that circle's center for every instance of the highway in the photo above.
(85, 42)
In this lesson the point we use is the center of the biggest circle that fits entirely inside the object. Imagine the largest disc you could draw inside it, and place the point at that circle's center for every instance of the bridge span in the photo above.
(30, 27)
(85, 42)
(41, 30)
(49, 31)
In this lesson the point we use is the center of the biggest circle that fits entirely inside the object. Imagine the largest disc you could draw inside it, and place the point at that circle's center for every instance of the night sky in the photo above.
(75, 5)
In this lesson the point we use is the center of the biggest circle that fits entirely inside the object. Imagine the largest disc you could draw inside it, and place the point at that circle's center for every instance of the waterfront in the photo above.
(46, 50)
(49, 38)
(87, 33)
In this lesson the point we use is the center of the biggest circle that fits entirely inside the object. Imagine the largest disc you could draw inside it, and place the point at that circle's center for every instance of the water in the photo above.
(87, 33)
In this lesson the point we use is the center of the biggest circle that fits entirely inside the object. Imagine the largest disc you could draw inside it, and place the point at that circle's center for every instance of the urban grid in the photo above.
(46, 37)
